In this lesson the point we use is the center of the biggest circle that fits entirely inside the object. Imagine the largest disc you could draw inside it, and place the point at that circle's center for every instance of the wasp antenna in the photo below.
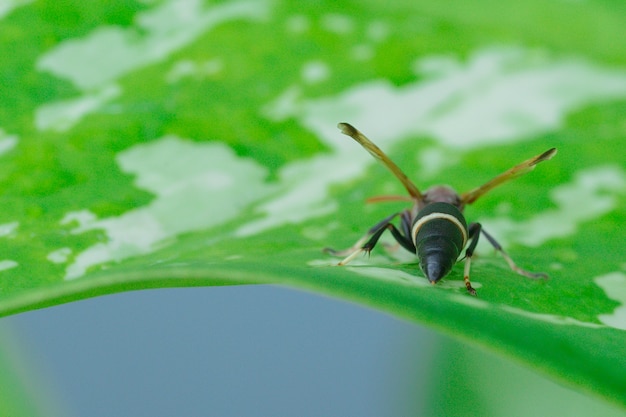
(545, 156)
(521, 169)
(349, 130)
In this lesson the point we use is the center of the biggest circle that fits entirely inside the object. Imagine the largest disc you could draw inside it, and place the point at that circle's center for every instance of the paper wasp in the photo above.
(434, 228)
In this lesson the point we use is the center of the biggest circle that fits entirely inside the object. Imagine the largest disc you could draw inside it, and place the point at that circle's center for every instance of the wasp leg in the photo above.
(369, 241)
(403, 237)
(507, 258)
(474, 232)
(406, 221)
(362, 244)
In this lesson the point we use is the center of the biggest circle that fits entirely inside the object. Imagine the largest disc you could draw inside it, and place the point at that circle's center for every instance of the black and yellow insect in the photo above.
(434, 228)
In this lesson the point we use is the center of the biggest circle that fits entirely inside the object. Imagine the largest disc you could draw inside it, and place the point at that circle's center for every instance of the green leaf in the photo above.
(162, 144)
(21, 394)
(471, 382)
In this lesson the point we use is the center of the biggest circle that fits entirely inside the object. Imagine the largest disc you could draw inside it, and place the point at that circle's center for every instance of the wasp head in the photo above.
(442, 194)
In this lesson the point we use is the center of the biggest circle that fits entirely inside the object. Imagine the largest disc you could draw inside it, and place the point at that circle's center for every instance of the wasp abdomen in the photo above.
(439, 233)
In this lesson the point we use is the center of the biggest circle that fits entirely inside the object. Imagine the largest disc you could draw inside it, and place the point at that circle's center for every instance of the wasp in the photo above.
(434, 228)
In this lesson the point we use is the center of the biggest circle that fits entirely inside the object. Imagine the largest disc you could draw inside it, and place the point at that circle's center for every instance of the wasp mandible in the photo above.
(434, 228)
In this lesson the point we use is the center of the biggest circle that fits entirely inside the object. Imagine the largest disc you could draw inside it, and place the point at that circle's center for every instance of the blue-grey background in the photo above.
(223, 351)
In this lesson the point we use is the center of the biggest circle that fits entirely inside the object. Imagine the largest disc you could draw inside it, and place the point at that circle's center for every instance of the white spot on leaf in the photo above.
(593, 193)
(62, 115)
(315, 72)
(614, 285)
(196, 70)
(59, 256)
(8, 229)
(337, 23)
(196, 186)
(7, 6)
(7, 142)
(499, 94)
(7, 264)
(109, 52)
